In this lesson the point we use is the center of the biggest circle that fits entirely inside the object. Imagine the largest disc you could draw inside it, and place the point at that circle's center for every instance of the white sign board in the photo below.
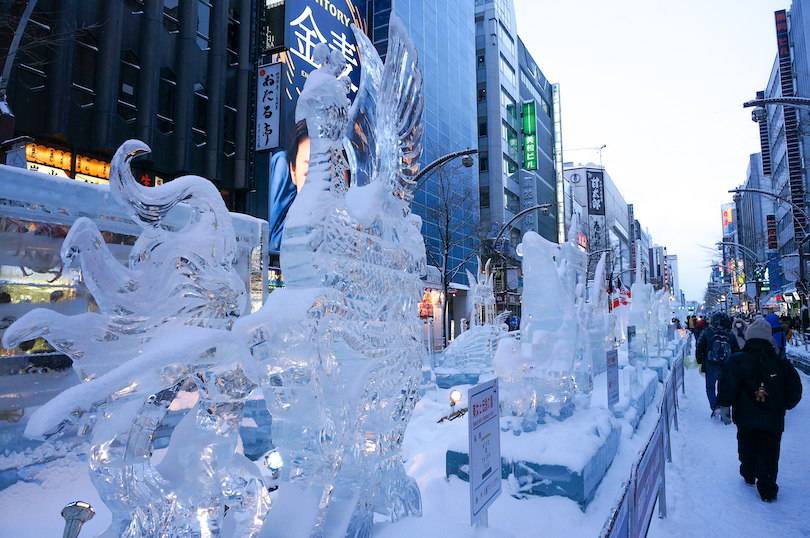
(268, 99)
(612, 377)
(485, 447)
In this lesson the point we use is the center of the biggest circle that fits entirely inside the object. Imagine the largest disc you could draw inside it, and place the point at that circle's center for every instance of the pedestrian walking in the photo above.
(738, 327)
(778, 332)
(757, 386)
(715, 345)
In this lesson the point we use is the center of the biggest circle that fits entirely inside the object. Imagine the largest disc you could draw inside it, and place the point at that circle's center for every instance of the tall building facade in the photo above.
(175, 74)
(519, 144)
(444, 36)
(784, 143)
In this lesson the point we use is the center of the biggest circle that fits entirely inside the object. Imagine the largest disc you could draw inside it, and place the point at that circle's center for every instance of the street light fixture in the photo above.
(466, 161)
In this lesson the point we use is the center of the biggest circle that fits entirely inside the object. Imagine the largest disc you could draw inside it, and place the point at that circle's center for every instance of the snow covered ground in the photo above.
(705, 494)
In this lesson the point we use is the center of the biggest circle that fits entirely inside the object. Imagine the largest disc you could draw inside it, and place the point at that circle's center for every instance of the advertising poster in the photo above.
(307, 24)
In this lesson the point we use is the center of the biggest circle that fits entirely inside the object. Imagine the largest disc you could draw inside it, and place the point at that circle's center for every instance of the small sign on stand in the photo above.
(612, 357)
(485, 449)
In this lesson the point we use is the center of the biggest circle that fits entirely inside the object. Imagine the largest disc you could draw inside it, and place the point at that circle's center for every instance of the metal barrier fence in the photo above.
(632, 511)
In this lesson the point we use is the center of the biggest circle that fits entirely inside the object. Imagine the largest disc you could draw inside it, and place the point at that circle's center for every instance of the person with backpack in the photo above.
(715, 345)
(757, 386)
(738, 327)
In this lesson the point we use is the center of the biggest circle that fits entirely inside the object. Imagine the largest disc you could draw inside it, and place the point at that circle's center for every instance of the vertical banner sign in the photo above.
(268, 100)
(632, 239)
(597, 235)
(772, 243)
(612, 377)
(485, 447)
(794, 158)
(529, 136)
(648, 481)
(272, 26)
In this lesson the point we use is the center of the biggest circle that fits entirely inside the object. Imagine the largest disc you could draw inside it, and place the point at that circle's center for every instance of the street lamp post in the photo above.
(419, 180)
(544, 209)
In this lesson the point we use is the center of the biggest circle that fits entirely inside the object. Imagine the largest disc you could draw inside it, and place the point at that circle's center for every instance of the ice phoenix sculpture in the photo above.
(548, 372)
(339, 348)
(159, 340)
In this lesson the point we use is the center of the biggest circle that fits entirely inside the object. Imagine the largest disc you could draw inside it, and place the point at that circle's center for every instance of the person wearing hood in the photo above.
(757, 386)
(778, 332)
(738, 327)
(714, 346)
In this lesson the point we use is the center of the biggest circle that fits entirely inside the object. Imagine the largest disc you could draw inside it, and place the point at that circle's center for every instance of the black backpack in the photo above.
(770, 372)
(719, 348)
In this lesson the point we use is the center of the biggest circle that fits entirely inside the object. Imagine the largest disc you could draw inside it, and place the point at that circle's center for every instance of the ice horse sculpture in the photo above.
(601, 323)
(339, 347)
(473, 351)
(159, 339)
(549, 369)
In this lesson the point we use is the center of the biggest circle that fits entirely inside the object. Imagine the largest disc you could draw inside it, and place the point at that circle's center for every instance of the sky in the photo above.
(661, 85)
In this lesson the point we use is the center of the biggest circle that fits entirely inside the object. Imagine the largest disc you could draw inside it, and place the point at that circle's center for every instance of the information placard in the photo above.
(485, 447)
(612, 357)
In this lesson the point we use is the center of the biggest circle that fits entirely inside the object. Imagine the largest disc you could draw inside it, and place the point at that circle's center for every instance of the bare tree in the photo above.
(452, 224)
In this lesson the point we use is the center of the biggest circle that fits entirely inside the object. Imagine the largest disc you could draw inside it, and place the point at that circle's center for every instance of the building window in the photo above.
(166, 93)
(509, 166)
(482, 95)
(514, 237)
(481, 63)
(33, 51)
(511, 201)
(509, 104)
(170, 15)
(483, 163)
(229, 130)
(84, 70)
(200, 115)
(482, 127)
(128, 86)
(233, 36)
(507, 71)
(483, 197)
(203, 24)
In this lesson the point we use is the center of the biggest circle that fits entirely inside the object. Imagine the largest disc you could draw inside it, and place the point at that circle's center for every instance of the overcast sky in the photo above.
(661, 83)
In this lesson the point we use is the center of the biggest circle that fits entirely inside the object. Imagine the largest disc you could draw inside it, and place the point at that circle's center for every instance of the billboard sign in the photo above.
(307, 23)
(728, 219)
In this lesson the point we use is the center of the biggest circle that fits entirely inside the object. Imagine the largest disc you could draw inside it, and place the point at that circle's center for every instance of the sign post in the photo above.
(485, 449)
(612, 378)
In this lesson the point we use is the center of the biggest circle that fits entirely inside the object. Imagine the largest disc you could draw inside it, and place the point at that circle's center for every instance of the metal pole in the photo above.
(76, 514)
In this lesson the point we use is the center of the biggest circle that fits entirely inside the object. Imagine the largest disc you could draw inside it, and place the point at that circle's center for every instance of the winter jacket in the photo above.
(738, 328)
(740, 379)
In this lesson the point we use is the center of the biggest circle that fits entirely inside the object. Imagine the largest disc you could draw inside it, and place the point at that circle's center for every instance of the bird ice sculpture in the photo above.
(473, 350)
(339, 347)
(549, 369)
(159, 339)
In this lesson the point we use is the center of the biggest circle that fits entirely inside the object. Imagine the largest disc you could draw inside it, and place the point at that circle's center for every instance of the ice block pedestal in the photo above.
(566, 458)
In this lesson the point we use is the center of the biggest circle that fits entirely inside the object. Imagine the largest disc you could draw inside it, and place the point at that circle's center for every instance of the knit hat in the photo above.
(759, 328)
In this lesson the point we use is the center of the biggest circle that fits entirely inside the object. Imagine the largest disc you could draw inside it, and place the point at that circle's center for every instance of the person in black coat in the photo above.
(710, 365)
(757, 386)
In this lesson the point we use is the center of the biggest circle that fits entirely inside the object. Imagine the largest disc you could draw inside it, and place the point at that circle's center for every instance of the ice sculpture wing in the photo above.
(385, 126)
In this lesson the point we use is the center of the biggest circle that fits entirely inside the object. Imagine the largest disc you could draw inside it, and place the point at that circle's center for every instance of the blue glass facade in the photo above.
(444, 35)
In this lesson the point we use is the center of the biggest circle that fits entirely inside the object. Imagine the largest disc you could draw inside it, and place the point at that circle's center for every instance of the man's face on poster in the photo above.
(299, 168)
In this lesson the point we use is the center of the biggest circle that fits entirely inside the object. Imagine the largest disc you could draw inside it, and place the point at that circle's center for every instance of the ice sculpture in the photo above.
(641, 303)
(601, 323)
(472, 351)
(159, 340)
(339, 347)
(549, 369)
